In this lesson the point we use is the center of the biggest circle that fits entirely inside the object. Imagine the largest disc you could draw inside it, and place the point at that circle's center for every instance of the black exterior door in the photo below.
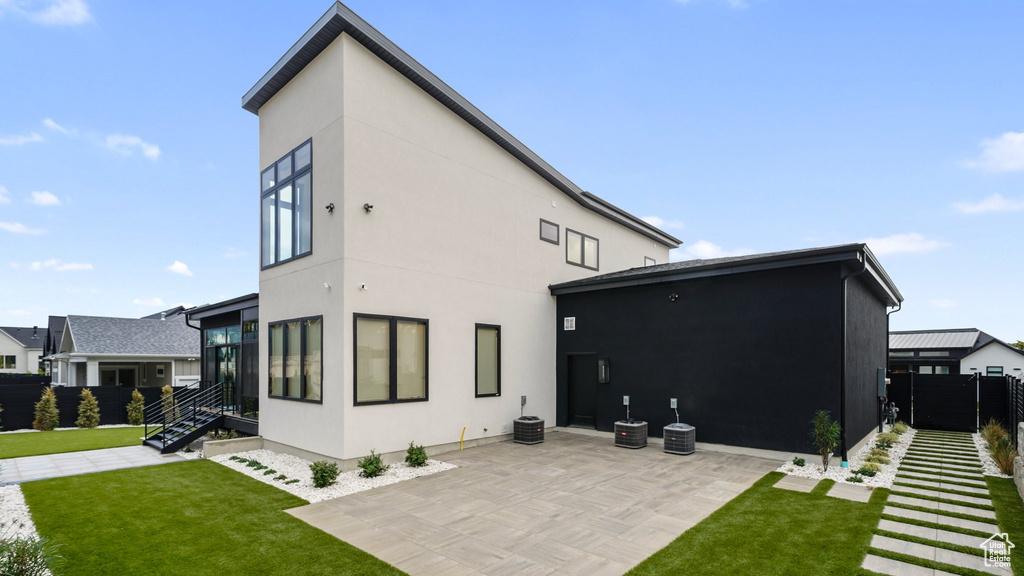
(582, 390)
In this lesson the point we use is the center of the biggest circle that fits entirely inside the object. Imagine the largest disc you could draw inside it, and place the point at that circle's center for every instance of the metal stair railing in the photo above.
(205, 400)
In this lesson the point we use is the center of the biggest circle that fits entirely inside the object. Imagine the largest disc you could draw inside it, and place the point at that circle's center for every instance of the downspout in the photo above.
(842, 363)
(899, 306)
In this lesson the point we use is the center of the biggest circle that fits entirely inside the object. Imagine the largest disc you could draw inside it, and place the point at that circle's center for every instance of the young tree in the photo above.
(1019, 344)
(136, 409)
(170, 405)
(825, 436)
(47, 415)
(88, 410)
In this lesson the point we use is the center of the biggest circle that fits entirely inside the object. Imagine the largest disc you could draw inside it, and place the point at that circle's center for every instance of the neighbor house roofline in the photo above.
(691, 269)
(339, 18)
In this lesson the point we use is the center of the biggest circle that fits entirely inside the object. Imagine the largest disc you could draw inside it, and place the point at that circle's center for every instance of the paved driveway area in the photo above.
(17, 470)
(572, 505)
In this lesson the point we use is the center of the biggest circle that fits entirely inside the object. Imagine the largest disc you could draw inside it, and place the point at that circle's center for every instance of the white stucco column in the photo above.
(92, 373)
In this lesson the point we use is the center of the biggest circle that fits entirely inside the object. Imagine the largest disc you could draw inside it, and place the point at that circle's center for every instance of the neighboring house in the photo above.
(101, 351)
(953, 351)
(54, 332)
(407, 246)
(751, 346)
(21, 349)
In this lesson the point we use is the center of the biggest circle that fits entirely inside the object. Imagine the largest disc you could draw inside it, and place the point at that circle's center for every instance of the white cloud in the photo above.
(233, 253)
(942, 303)
(179, 268)
(898, 243)
(126, 146)
(44, 198)
(19, 140)
(734, 4)
(705, 250)
(49, 123)
(58, 266)
(1003, 154)
(19, 228)
(3, 195)
(20, 312)
(993, 203)
(49, 12)
(148, 302)
(663, 224)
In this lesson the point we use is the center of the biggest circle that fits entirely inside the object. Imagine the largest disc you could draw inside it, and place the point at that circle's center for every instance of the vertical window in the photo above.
(488, 360)
(296, 352)
(989, 370)
(581, 250)
(390, 359)
(9, 362)
(548, 231)
(286, 207)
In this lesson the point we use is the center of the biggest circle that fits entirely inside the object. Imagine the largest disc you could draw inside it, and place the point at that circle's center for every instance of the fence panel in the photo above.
(992, 400)
(900, 394)
(946, 402)
(18, 402)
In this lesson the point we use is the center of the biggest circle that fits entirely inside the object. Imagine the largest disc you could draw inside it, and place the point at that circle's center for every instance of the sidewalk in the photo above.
(18, 470)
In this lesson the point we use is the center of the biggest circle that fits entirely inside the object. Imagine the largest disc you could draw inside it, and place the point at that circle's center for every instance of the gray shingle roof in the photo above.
(131, 336)
(24, 335)
(932, 339)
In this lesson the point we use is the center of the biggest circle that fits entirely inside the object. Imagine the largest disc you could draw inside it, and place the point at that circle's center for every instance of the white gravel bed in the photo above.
(26, 430)
(347, 483)
(883, 479)
(988, 465)
(15, 520)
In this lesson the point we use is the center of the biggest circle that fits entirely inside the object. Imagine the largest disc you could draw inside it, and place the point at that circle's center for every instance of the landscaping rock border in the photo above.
(988, 465)
(883, 479)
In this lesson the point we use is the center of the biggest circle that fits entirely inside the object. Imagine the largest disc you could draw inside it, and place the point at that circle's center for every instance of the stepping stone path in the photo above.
(943, 465)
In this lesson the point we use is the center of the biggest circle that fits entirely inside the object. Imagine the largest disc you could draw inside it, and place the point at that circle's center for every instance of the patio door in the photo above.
(583, 390)
(226, 372)
(123, 376)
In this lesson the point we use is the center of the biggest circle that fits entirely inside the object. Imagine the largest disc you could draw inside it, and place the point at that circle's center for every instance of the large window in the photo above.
(390, 359)
(993, 371)
(488, 360)
(581, 249)
(296, 359)
(286, 207)
(8, 362)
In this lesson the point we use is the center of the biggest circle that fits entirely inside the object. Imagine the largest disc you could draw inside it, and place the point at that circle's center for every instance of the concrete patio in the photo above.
(572, 505)
(28, 468)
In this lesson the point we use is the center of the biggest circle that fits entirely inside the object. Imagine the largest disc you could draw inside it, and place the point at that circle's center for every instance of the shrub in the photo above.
(899, 428)
(292, 481)
(992, 431)
(887, 437)
(1003, 455)
(26, 556)
(799, 461)
(880, 452)
(47, 415)
(415, 456)
(170, 405)
(372, 466)
(881, 445)
(873, 466)
(324, 473)
(877, 459)
(855, 479)
(824, 436)
(865, 471)
(88, 410)
(136, 409)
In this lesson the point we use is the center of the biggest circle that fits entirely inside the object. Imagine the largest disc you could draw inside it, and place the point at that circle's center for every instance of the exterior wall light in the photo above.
(368, 207)
(604, 371)
(673, 297)
(330, 208)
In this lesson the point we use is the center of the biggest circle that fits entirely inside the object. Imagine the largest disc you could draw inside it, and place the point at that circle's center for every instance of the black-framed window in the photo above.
(648, 261)
(548, 231)
(993, 371)
(391, 359)
(581, 250)
(286, 207)
(296, 359)
(488, 360)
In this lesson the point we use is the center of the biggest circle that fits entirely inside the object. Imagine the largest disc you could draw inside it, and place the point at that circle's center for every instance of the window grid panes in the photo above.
(581, 250)
(993, 370)
(286, 207)
(296, 359)
(390, 359)
(488, 360)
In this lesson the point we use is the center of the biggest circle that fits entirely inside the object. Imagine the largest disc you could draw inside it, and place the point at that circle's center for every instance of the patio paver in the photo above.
(28, 468)
(850, 492)
(797, 483)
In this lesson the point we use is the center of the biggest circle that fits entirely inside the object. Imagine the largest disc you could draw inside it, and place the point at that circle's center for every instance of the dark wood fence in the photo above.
(7, 379)
(1015, 400)
(958, 402)
(18, 402)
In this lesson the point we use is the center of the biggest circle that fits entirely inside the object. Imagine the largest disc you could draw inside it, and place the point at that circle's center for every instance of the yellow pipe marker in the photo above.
(461, 437)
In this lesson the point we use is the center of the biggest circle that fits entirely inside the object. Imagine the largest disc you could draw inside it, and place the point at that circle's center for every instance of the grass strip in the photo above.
(912, 467)
(939, 465)
(783, 532)
(927, 510)
(966, 447)
(944, 481)
(196, 517)
(926, 563)
(1010, 515)
(936, 525)
(943, 490)
(972, 550)
(943, 500)
(62, 441)
(942, 456)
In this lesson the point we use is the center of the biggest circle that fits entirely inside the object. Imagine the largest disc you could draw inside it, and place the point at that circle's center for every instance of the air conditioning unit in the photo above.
(680, 438)
(631, 433)
(528, 430)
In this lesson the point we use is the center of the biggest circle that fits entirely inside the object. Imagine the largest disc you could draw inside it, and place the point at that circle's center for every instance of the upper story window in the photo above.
(581, 249)
(648, 261)
(993, 371)
(548, 231)
(286, 207)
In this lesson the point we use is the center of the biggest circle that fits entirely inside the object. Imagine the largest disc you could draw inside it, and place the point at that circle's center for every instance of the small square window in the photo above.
(549, 231)
(648, 261)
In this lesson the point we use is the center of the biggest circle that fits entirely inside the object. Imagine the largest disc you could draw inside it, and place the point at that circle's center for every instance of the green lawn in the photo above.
(195, 518)
(56, 442)
(767, 530)
(1010, 514)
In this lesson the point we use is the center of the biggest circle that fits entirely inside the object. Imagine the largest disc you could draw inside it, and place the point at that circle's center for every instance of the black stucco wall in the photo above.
(750, 356)
(866, 338)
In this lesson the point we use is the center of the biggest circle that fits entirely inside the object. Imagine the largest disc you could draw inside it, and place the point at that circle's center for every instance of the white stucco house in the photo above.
(953, 351)
(21, 349)
(407, 247)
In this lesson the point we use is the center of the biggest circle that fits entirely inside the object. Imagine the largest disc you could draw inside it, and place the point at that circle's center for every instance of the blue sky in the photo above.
(129, 171)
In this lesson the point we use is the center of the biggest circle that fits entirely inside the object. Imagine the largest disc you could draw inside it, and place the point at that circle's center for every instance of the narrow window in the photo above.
(296, 369)
(390, 359)
(312, 358)
(373, 353)
(548, 231)
(942, 369)
(292, 364)
(277, 360)
(648, 261)
(488, 360)
(286, 214)
(993, 370)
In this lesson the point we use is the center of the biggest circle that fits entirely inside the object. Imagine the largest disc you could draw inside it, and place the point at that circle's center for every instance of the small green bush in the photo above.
(169, 403)
(873, 466)
(88, 410)
(136, 409)
(899, 428)
(882, 445)
(799, 461)
(877, 459)
(824, 436)
(269, 472)
(865, 471)
(855, 479)
(1003, 455)
(415, 456)
(292, 481)
(372, 466)
(27, 556)
(47, 415)
(888, 437)
(324, 473)
(280, 477)
(880, 452)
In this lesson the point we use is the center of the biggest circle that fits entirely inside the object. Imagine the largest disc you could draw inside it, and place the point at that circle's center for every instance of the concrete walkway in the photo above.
(573, 505)
(18, 470)
(927, 475)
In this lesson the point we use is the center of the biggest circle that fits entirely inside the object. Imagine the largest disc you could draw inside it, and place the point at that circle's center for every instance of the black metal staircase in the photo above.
(175, 421)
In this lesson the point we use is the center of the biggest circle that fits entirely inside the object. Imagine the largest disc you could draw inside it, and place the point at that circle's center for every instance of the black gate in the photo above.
(956, 402)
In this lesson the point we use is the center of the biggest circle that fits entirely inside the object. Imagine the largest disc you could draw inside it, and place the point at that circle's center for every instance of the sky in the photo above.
(129, 171)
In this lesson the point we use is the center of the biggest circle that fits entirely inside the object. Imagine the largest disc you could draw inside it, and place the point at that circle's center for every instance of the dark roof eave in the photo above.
(232, 305)
(339, 18)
